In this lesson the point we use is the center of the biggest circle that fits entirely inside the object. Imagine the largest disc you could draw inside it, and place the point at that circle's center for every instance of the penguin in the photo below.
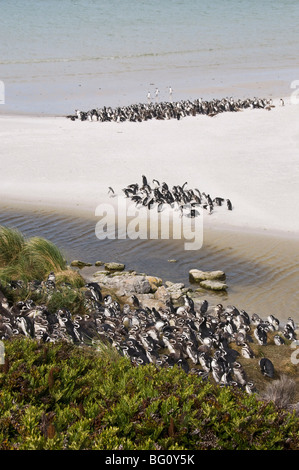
(239, 373)
(260, 335)
(204, 307)
(107, 300)
(229, 205)
(135, 301)
(144, 181)
(246, 351)
(266, 367)
(255, 318)
(25, 325)
(111, 192)
(288, 332)
(278, 340)
(51, 277)
(95, 290)
(189, 304)
(218, 201)
(250, 388)
(274, 321)
(291, 323)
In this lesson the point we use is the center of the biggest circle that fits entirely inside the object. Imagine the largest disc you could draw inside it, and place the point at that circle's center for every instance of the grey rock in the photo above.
(124, 283)
(162, 294)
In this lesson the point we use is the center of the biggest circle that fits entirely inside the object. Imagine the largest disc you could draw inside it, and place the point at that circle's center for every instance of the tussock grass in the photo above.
(69, 276)
(40, 256)
(281, 391)
(27, 259)
(11, 245)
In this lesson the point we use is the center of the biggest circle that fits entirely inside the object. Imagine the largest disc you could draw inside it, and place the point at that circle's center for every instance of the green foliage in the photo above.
(60, 396)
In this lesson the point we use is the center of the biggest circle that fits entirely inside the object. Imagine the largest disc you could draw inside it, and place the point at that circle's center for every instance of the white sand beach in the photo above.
(250, 157)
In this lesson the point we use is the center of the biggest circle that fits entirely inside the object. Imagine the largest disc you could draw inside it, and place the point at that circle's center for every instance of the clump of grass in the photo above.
(71, 277)
(39, 256)
(11, 245)
(281, 391)
(27, 259)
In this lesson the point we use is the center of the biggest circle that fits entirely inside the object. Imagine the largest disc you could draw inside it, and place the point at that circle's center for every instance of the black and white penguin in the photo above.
(95, 291)
(246, 351)
(274, 321)
(25, 326)
(261, 335)
(291, 323)
(288, 332)
(250, 388)
(239, 373)
(189, 304)
(111, 191)
(256, 319)
(266, 367)
(229, 205)
(204, 307)
(52, 277)
(278, 340)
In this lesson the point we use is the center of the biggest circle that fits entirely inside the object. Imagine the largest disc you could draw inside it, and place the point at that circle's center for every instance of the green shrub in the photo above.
(60, 396)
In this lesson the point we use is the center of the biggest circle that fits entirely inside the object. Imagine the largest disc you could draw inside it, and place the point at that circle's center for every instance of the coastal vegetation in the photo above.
(60, 396)
(65, 396)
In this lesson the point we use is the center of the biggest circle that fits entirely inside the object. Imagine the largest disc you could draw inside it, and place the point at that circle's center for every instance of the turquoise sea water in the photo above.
(59, 54)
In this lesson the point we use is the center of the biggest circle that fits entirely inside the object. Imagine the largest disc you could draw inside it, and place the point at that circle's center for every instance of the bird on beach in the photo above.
(229, 205)
(169, 110)
(186, 201)
(111, 191)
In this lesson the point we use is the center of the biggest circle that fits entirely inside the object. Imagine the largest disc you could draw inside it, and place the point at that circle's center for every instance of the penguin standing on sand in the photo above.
(229, 205)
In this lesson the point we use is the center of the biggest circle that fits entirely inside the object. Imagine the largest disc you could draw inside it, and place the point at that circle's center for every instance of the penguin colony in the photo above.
(176, 197)
(200, 339)
(169, 110)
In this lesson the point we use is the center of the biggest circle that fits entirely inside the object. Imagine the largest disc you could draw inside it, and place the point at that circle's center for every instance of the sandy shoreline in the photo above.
(250, 157)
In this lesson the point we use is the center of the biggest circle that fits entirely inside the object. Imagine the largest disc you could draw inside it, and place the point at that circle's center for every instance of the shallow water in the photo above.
(262, 270)
(56, 55)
